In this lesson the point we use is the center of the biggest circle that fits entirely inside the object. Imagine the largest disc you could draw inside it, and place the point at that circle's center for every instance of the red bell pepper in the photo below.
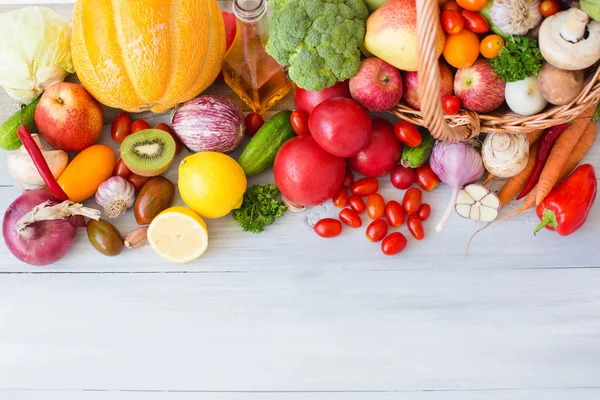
(567, 206)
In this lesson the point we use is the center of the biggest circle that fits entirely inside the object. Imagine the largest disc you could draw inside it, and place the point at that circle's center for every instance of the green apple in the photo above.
(372, 5)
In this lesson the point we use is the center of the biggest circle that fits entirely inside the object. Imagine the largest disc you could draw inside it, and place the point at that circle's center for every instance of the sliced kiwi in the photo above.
(149, 152)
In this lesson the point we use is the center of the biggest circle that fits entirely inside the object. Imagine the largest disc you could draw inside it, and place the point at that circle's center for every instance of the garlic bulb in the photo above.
(478, 203)
(505, 154)
(516, 17)
(116, 195)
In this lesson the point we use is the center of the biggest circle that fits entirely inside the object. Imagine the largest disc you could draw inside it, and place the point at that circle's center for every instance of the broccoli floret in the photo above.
(317, 39)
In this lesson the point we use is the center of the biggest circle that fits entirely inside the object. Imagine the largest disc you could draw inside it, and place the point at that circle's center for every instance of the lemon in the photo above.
(178, 235)
(211, 183)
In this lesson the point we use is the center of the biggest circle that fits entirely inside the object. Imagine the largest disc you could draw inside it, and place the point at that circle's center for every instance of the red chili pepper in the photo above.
(40, 163)
(546, 143)
(566, 208)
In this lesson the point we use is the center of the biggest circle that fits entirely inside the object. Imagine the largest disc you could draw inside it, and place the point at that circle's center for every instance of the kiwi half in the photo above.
(149, 152)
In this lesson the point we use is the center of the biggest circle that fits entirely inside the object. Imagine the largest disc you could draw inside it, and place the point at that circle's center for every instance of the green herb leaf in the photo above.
(520, 58)
(596, 115)
(261, 206)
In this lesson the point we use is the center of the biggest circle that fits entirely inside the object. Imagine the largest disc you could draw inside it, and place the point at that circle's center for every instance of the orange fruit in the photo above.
(491, 46)
(461, 49)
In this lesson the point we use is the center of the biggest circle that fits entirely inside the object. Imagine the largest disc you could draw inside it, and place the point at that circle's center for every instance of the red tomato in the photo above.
(393, 244)
(328, 228)
(299, 121)
(381, 154)
(415, 227)
(139, 125)
(412, 200)
(350, 218)
(254, 121)
(452, 22)
(394, 213)
(402, 178)
(424, 212)
(365, 186)
(178, 145)
(426, 178)
(473, 5)
(375, 206)
(121, 169)
(137, 181)
(357, 204)
(549, 7)
(340, 198)
(451, 5)
(349, 178)
(120, 127)
(451, 104)
(377, 230)
(491, 45)
(475, 21)
(408, 133)
(305, 100)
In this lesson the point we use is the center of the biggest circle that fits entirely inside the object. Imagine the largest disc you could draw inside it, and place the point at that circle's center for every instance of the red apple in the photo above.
(377, 85)
(479, 87)
(383, 152)
(306, 100)
(68, 117)
(411, 85)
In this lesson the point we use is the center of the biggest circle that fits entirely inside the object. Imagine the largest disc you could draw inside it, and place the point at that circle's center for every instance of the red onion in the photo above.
(457, 165)
(209, 123)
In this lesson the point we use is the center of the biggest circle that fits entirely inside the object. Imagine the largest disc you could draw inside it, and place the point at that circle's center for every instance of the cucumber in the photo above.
(414, 157)
(263, 147)
(9, 140)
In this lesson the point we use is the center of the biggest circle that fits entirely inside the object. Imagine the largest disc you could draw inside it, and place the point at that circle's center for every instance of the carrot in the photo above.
(560, 152)
(514, 184)
(580, 150)
(534, 136)
(488, 179)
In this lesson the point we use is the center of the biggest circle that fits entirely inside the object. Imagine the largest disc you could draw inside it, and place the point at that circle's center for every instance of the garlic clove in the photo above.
(477, 192)
(478, 203)
(474, 213)
(491, 201)
(463, 210)
(488, 214)
(464, 198)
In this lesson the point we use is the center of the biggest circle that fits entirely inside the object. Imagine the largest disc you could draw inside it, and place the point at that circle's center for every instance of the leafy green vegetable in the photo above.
(317, 39)
(260, 207)
(520, 58)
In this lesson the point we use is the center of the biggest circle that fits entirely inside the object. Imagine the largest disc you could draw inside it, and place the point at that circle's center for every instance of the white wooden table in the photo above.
(287, 315)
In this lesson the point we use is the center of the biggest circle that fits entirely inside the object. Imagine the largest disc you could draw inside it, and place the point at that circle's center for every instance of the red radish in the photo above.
(341, 126)
(305, 173)
(306, 100)
(381, 154)
(38, 229)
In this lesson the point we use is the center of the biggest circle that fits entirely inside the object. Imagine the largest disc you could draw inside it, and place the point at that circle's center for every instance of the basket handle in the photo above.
(464, 128)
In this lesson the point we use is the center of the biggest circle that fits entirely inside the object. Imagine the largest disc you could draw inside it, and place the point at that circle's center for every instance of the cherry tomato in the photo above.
(375, 206)
(254, 121)
(349, 178)
(424, 212)
(377, 230)
(549, 7)
(473, 5)
(328, 228)
(121, 169)
(452, 21)
(120, 127)
(365, 186)
(299, 121)
(350, 218)
(408, 133)
(491, 45)
(426, 178)
(415, 227)
(394, 213)
(475, 21)
(164, 127)
(139, 125)
(451, 5)
(340, 198)
(393, 244)
(137, 181)
(461, 49)
(412, 200)
(451, 104)
(401, 177)
(357, 204)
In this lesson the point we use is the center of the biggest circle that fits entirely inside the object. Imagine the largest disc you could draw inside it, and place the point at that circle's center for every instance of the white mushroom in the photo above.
(563, 42)
(478, 203)
(505, 154)
(22, 168)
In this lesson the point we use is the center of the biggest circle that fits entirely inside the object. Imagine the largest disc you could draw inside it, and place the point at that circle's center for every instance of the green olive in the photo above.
(104, 237)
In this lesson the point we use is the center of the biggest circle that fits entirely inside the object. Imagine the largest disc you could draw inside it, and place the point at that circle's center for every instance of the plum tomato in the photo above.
(549, 7)
(452, 22)
(393, 244)
(178, 145)
(415, 227)
(424, 212)
(299, 121)
(491, 45)
(375, 206)
(138, 181)
(121, 169)
(402, 178)
(475, 21)
(461, 49)
(394, 213)
(349, 178)
(408, 134)
(254, 121)
(472, 5)
(377, 230)
(451, 104)
(139, 125)
(350, 218)
(365, 186)
(412, 200)
(340, 198)
(426, 178)
(357, 204)
(328, 227)
(120, 127)
(451, 5)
